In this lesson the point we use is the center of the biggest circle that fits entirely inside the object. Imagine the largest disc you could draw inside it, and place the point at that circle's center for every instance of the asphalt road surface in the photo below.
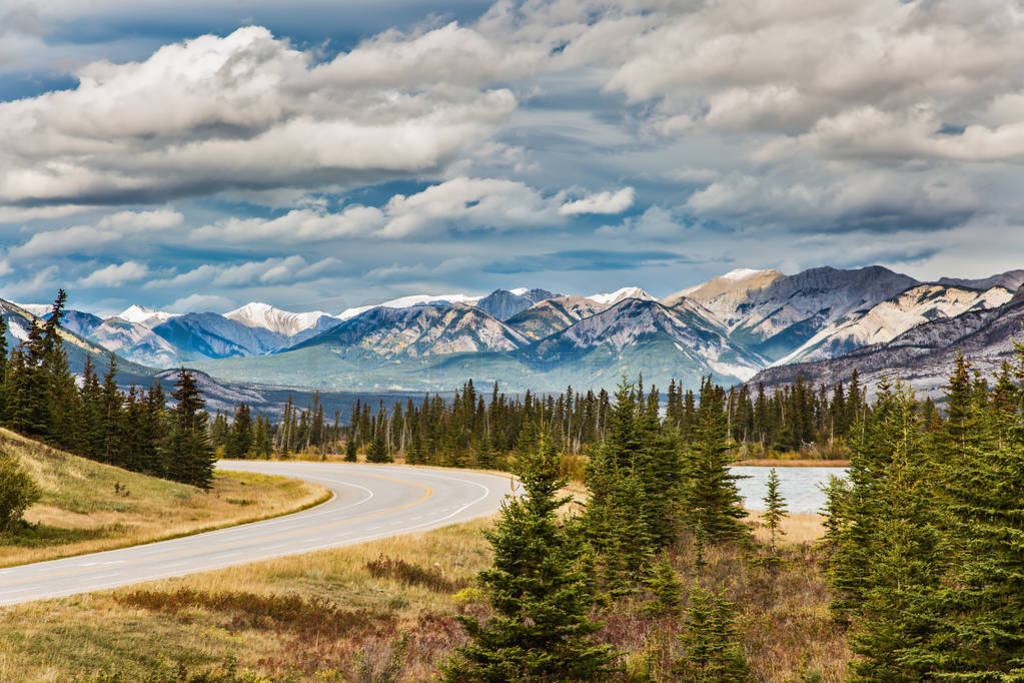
(370, 502)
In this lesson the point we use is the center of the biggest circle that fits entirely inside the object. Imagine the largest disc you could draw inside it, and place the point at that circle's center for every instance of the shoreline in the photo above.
(802, 462)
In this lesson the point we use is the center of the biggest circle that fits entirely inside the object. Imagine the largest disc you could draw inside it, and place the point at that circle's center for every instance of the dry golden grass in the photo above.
(329, 616)
(338, 619)
(796, 528)
(87, 506)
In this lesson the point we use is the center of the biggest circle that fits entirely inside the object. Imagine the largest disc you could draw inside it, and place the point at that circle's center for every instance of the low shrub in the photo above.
(385, 567)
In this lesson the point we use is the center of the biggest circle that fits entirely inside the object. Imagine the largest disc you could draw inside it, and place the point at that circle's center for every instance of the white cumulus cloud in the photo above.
(603, 202)
(115, 275)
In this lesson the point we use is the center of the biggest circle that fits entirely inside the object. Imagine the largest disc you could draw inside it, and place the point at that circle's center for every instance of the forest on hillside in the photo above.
(90, 416)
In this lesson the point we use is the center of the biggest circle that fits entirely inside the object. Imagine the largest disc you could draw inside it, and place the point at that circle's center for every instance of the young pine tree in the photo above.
(774, 510)
(665, 588)
(713, 653)
(615, 524)
(538, 589)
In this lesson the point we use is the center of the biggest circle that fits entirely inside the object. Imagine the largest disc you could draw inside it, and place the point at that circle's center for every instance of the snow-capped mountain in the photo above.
(553, 315)
(503, 303)
(680, 341)
(144, 316)
(774, 315)
(892, 317)
(38, 310)
(609, 298)
(285, 323)
(726, 292)
(77, 347)
(211, 335)
(135, 342)
(81, 323)
(731, 326)
(411, 300)
(422, 330)
(922, 356)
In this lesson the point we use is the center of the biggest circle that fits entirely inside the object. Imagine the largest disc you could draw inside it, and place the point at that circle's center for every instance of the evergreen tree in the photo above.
(188, 453)
(379, 451)
(64, 409)
(3, 368)
(32, 416)
(240, 437)
(666, 588)
(890, 555)
(774, 509)
(711, 500)
(983, 476)
(111, 421)
(713, 654)
(153, 431)
(351, 448)
(620, 536)
(538, 589)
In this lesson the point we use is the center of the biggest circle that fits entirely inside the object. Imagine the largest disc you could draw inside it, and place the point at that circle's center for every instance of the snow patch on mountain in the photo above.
(610, 298)
(145, 316)
(136, 342)
(741, 274)
(889, 319)
(411, 300)
(259, 314)
(38, 310)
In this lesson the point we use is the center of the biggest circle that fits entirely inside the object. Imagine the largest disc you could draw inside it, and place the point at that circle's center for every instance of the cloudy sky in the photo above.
(197, 155)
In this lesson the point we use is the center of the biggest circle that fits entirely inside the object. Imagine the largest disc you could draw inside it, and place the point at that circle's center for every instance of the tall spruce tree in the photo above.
(983, 477)
(890, 554)
(621, 537)
(712, 502)
(240, 437)
(538, 588)
(188, 453)
(111, 421)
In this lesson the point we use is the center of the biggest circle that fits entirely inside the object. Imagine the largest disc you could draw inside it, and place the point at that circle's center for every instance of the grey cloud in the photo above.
(586, 259)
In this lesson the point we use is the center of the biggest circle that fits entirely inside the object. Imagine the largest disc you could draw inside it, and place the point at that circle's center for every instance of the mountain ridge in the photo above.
(734, 326)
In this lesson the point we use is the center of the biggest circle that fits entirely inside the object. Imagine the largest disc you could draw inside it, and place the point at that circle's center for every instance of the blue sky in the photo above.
(319, 155)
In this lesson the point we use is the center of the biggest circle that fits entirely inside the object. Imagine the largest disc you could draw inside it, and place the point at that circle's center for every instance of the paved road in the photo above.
(370, 501)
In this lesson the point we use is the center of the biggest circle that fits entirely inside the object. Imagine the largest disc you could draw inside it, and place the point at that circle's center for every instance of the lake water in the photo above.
(799, 486)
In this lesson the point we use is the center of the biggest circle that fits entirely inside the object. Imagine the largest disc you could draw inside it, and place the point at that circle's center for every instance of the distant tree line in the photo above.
(93, 418)
(477, 429)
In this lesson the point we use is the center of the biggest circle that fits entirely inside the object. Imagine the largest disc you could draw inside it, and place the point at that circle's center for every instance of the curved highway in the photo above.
(369, 502)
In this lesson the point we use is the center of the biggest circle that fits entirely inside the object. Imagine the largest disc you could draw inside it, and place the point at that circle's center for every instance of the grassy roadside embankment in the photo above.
(88, 506)
(386, 611)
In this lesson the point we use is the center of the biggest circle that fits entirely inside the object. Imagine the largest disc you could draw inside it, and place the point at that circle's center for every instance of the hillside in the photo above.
(87, 506)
